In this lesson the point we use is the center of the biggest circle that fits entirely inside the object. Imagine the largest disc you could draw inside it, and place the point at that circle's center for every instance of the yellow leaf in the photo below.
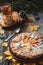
(31, 28)
(13, 60)
(34, 27)
(1, 57)
(9, 58)
(5, 44)
(1, 31)
(15, 63)
(7, 52)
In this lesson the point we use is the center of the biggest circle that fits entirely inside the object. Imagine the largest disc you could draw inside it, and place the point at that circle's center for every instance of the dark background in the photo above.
(39, 3)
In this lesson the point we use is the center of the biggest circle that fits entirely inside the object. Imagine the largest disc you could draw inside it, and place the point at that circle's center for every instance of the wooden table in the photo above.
(24, 28)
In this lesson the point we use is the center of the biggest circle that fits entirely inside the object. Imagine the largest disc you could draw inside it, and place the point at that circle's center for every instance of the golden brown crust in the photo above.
(6, 20)
(27, 45)
(16, 17)
(10, 20)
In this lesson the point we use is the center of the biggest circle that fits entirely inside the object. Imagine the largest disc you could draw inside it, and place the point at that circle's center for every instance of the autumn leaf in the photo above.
(1, 31)
(5, 44)
(13, 60)
(34, 27)
(18, 64)
(9, 58)
(1, 57)
(7, 52)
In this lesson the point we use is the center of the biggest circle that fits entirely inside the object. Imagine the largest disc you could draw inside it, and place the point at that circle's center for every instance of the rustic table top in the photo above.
(24, 28)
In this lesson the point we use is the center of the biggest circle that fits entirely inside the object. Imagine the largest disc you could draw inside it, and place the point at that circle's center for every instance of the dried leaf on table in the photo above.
(16, 63)
(34, 27)
(7, 52)
(9, 58)
(1, 57)
(2, 31)
(13, 60)
(5, 44)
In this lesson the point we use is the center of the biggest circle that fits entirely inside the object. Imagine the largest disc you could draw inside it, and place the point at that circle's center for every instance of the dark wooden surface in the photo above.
(24, 28)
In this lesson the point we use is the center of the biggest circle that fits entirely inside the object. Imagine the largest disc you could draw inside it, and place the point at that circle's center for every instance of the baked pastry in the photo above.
(6, 21)
(10, 20)
(27, 46)
(16, 17)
